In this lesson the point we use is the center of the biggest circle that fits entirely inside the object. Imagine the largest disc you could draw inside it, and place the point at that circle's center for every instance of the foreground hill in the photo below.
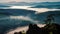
(47, 29)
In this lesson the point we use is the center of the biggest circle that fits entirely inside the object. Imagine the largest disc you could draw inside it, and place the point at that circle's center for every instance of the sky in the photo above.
(4, 1)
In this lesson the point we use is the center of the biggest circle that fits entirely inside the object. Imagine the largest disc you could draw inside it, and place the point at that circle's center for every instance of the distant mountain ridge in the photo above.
(48, 5)
(55, 5)
(1, 5)
(32, 3)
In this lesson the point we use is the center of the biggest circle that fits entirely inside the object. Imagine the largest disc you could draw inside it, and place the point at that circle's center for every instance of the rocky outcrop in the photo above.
(48, 29)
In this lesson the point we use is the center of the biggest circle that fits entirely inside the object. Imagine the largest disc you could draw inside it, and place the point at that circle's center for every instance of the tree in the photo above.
(16, 33)
(50, 19)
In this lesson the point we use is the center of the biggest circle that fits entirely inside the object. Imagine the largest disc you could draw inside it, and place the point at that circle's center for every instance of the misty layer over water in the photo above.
(17, 16)
(21, 17)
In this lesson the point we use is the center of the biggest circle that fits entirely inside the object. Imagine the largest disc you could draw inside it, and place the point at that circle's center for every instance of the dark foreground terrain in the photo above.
(48, 29)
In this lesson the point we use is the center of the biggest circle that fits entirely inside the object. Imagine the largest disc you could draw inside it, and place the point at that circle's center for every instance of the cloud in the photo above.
(26, 18)
(44, 10)
(38, 10)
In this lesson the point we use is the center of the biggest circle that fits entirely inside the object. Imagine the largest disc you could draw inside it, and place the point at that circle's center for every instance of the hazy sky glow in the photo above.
(4, 1)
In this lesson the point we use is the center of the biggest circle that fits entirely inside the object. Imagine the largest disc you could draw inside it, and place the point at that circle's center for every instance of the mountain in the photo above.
(29, 16)
(35, 4)
(17, 12)
(10, 18)
(23, 12)
(18, 4)
(1, 5)
(42, 16)
(47, 5)
(48, 29)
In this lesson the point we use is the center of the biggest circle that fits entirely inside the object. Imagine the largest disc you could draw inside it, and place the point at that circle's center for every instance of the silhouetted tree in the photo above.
(29, 31)
(20, 32)
(49, 19)
(15, 32)
(34, 29)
